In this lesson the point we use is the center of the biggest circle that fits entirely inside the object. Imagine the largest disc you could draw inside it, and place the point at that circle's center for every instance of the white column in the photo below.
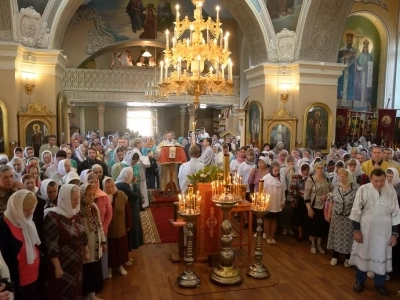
(183, 115)
(235, 117)
(82, 120)
(101, 108)
(242, 123)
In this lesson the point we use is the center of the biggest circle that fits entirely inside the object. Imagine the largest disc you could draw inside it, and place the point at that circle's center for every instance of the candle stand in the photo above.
(188, 279)
(259, 207)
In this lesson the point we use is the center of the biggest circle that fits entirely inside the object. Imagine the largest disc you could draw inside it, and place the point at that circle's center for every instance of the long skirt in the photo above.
(316, 224)
(104, 265)
(92, 279)
(117, 251)
(286, 215)
(300, 213)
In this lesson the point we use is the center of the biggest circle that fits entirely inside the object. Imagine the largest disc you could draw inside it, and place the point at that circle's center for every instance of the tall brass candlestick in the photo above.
(226, 169)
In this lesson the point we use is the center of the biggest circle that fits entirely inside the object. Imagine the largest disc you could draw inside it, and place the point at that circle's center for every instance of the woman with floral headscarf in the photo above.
(121, 223)
(104, 205)
(340, 237)
(66, 244)
(19, 243)
(296, 198)
(92, 279)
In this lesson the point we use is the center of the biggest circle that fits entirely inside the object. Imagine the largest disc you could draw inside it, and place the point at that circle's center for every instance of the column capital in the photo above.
(183, 109)
(192, 110)
(101, 108)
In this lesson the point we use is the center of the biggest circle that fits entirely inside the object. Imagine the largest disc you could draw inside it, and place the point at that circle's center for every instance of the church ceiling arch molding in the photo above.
(323, 29)
(248, 18)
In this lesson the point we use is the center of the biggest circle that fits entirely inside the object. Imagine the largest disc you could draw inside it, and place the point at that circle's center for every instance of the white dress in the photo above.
(188, 168)
(376, 215)
(244, 171)
(276, 189)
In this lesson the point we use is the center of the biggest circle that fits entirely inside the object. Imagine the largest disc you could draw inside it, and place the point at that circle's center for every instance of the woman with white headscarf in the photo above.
(359, 176)
(18, 166)
(92, 279)
(123, 183)
(117, 230)
(66, 244)
(392, 178)
(19, 243)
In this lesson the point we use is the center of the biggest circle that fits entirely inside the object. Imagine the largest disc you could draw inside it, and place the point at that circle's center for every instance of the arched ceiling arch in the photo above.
(242, 11)
(323, 29)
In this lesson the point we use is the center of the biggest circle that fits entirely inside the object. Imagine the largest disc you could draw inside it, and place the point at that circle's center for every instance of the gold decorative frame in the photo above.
(327, 132)
(258, 139)
(36, 113)
(282, 117)
(63, 110)
(4, 113)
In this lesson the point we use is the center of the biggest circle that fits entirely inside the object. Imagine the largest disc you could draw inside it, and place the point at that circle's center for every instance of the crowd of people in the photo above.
(70, 217)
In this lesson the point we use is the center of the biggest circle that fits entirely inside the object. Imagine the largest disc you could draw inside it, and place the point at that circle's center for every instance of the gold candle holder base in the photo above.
(258, 270)
(188, 279)
(226, 273)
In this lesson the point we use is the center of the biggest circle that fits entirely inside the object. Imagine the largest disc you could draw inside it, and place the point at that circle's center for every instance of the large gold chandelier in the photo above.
(195, 51)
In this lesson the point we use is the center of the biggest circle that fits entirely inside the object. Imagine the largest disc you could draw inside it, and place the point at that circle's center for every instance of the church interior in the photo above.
(307, 73)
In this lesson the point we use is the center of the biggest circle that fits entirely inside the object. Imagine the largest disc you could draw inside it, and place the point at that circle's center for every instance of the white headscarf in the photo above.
(70, 176)
(115, 156)
(15, 214)
(396, 179)
(17, 174)
(61, 167)
(266, 160)
(96, 166)
(126, 175)
(358, 170)
(64, 206)
(84, 174)
(3, 156)
(42, 156)
(43, 190)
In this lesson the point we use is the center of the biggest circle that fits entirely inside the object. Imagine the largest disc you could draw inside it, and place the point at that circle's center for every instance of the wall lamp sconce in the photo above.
(30, 82)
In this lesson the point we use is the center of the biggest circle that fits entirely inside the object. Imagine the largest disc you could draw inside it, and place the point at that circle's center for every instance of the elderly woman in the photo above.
(98, 170)
(19, 243)
(123, 183)
(121, 223)
(340, 237)
(18, 166)
(316, 192)
(35, 171)
(66, 244)
(28, 182)
(296, 198)
(92, 279)
(45, 161)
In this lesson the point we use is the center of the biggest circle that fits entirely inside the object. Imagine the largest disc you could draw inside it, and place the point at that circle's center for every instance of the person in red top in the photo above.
(19, 242)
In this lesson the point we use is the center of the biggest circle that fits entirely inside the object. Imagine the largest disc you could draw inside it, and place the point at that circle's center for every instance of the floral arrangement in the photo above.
(208, 174)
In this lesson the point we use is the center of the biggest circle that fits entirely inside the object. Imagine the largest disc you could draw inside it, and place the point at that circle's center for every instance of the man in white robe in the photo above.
(189, 168)
(375, 215)
(144, 162)
(207, 155)
(165, 168)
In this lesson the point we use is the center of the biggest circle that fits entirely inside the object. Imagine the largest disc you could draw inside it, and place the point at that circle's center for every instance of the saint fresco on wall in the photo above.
(360, 53)
(284, 13)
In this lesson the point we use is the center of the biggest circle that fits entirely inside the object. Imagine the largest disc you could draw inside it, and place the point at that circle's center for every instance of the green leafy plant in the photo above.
(208, 174)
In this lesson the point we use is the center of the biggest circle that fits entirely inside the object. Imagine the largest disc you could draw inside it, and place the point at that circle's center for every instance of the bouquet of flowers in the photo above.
(208, 174)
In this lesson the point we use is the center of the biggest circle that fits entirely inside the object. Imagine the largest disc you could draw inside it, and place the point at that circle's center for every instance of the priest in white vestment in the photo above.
(144, 163)
(165, 168)
(189, 168)
(375, 215)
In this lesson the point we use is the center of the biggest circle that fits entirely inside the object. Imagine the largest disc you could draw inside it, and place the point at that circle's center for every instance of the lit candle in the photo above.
(177, 13)
(221, 37)
(217, 8)
(166, 68)
(211, 70)
(208, 35)
(173, 42)
(217, 67)
(191, 33)
(226, 40)
(230, 70)
(223, 71)
(161, 71)
(179, 66)
(198, 65)
(167, 39)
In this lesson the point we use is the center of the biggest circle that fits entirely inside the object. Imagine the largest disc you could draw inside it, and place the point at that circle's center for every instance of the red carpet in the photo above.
(161, 216)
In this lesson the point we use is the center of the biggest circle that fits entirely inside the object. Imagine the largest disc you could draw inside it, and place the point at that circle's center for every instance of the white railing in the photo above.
(134, 79)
